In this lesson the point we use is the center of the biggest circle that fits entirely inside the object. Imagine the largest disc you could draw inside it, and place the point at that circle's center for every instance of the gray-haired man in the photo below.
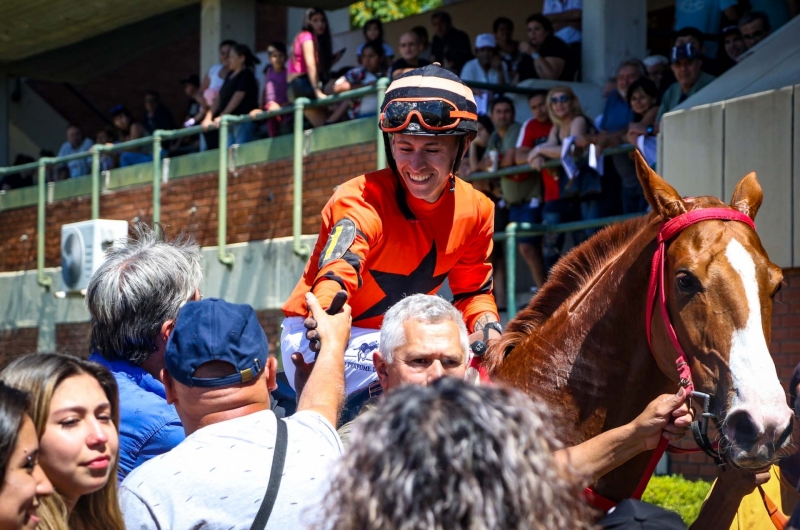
(134, 298)
(423, 337)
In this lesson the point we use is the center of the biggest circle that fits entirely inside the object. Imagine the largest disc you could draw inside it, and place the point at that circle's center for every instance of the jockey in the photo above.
(405, 229)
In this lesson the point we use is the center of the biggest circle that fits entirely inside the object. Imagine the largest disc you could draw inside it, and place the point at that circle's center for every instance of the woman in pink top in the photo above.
(310, 62)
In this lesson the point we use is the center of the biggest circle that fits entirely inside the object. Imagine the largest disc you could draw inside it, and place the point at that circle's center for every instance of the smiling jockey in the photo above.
(404, 229)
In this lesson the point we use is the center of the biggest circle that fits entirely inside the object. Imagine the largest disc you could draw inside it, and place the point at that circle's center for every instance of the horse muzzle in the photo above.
(753, 441)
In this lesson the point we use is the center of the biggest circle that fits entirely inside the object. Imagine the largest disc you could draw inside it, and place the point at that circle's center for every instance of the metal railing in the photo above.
(515, 230)
(155, 142)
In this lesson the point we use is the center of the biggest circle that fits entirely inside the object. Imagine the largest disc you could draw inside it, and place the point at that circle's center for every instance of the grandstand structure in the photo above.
(255, 208)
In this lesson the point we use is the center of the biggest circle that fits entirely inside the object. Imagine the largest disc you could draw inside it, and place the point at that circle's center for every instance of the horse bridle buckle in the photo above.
(700, 429)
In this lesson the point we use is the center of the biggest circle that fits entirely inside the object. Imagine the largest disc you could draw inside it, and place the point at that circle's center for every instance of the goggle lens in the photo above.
(434, 113)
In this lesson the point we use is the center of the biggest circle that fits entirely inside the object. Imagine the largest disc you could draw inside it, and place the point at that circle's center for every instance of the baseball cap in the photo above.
(216, 330)
(684, 51)
(485, 40)
(638, 515)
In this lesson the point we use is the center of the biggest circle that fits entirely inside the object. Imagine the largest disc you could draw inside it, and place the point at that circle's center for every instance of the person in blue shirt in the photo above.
(134, 299)
(76, 143)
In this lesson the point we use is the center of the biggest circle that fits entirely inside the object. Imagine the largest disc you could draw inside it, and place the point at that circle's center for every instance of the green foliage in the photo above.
(387, 10)
(675, 493)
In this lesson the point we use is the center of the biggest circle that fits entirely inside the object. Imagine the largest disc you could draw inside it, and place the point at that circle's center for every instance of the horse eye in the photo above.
(777, 290)
(687, 283)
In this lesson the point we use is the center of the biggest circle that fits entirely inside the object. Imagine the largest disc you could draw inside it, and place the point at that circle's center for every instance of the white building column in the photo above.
(613, 30)
(225, 19)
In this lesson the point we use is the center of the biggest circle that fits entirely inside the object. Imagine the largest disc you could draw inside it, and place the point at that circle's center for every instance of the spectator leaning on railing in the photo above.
(522, 193)
(239, 95)
(76, 143)
(371, 69)
(686, 65)
(276, 90)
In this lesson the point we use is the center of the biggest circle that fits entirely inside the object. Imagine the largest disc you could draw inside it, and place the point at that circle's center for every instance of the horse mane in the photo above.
(568, 276)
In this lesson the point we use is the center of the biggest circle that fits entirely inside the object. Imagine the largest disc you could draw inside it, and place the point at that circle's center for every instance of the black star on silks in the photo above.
(397, 286)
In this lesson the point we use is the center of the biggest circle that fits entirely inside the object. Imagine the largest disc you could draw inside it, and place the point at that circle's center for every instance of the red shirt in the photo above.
(400, 246)
(533, 133)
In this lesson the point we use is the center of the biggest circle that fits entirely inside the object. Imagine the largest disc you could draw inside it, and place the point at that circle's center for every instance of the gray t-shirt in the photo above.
(217, 477)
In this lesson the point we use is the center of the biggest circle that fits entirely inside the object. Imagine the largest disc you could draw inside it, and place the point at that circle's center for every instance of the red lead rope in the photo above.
(658, 285)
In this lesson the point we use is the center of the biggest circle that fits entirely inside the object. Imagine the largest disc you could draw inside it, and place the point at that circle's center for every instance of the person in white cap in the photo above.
(487, 67)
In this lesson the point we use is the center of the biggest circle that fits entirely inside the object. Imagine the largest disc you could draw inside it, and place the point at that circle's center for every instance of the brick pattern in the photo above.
(16, 342)
(73, 339)
(259, 205)
(785, 348)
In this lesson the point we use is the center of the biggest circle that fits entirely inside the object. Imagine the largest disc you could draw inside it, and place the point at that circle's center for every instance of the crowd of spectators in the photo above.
(175, 421)
(713, 35)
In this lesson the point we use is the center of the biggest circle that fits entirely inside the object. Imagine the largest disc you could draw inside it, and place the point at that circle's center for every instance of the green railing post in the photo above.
(157, 178)
(225, 257)
(383, 82)
(511, 269)
(297, 207)
(96, 149)
(43, 280)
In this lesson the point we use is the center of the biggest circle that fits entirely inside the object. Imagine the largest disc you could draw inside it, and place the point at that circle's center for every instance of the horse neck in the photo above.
(590, 361)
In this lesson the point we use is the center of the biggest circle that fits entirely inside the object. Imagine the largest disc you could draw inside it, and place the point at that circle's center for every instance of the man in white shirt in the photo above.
(218, 376)
(76, 143)
(487, 67)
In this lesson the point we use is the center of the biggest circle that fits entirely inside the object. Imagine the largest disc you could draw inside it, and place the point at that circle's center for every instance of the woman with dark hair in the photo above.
(75, 409)
(373, 64)
(373, 32)
(310, 62)
(543, 55)
(22, 481)
(238, 95)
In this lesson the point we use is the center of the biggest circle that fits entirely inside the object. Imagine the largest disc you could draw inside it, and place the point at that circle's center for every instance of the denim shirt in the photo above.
(148, 425)
(617, 114)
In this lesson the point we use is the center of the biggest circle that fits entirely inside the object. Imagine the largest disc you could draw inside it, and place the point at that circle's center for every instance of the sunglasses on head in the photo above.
(435, 114)
(563, 98)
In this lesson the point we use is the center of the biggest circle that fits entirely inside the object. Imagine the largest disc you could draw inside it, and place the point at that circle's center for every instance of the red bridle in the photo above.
(658, 285)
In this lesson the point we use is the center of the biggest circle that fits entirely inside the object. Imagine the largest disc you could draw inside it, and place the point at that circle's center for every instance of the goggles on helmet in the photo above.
(435, 114)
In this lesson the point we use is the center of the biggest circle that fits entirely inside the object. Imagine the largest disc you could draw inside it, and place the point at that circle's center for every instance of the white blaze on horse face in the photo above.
(757, 389)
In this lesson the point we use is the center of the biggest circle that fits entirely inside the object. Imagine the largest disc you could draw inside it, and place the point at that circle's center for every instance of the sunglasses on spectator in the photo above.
(560, 99)
(755, 35)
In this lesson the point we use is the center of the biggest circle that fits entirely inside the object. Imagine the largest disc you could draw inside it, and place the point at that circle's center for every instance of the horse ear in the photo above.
(747, 196)
(661, 196)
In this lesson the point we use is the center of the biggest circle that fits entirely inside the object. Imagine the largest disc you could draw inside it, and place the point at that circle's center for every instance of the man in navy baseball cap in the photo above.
(215, 331)
(237, 455)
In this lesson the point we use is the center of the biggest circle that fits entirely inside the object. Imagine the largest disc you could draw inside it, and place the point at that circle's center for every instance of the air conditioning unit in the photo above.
(83, 248)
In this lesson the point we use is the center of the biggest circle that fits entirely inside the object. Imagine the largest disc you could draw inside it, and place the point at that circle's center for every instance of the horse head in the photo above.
(720, 285)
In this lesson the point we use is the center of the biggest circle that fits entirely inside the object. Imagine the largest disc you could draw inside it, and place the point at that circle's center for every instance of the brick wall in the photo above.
(785, 348)
(259, 205)
(16, 342)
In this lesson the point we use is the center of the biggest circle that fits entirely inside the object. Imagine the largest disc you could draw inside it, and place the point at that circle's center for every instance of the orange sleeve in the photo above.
(344, 272)
(471, 278)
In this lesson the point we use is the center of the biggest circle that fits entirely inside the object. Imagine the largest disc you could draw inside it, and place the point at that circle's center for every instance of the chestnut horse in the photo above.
(581, 344)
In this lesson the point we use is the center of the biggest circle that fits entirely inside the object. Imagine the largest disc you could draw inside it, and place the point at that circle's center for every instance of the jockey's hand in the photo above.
(310, 323)
(668, 416)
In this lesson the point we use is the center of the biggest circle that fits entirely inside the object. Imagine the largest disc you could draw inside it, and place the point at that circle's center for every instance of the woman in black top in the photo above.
(238, 95)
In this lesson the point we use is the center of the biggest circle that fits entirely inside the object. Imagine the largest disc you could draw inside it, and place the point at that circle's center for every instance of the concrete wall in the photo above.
(707, 149)
(34, 123)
